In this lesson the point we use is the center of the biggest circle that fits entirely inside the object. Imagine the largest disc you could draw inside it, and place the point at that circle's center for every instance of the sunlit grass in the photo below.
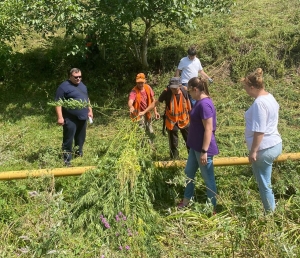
(60, 217)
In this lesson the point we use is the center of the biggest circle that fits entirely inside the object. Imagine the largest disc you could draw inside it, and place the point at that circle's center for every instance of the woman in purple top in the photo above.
(201, 141)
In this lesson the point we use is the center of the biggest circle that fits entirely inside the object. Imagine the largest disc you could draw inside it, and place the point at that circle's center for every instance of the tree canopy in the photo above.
(113, 22)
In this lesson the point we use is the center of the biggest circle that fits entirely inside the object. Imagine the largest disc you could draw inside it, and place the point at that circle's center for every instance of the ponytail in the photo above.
(199, 83)
(254, 79)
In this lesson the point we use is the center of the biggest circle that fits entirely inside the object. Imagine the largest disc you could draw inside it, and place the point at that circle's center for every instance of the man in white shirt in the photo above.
(189, 67)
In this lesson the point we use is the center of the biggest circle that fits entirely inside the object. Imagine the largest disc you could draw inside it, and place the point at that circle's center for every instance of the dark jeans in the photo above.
(73, 129)
(173, 140)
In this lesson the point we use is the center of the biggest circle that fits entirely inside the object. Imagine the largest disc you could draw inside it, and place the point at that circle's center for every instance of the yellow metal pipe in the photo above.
(227, 161)
(75, 171)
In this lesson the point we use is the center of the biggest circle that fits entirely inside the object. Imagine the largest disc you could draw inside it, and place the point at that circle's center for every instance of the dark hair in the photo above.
(254, 79)
(192, 51)
(74, 70)
(199, 83)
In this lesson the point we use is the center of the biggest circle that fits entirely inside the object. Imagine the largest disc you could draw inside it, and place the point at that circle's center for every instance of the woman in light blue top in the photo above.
(262, 137)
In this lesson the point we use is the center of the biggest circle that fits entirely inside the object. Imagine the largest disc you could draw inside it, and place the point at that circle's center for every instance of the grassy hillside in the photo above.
(69, 217)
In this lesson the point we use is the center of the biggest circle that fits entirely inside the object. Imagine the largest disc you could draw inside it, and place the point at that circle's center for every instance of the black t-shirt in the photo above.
(68, 90)
(166, 96)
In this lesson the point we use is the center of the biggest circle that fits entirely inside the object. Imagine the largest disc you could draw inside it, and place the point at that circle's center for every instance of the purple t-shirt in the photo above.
(203, 109)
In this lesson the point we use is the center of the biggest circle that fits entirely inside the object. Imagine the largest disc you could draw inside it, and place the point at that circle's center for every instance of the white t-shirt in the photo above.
(189, 68)
(262, 116)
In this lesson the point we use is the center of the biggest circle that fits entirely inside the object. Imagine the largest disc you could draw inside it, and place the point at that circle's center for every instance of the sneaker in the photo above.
(183, 203)
(78, 154)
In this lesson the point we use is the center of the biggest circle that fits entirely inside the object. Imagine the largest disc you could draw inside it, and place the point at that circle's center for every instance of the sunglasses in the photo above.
(76, 77)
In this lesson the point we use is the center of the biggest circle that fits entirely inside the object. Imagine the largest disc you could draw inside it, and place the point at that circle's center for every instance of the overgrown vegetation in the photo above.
(126, 206)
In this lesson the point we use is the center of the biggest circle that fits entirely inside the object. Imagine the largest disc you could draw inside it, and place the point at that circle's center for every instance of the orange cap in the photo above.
(140, 77)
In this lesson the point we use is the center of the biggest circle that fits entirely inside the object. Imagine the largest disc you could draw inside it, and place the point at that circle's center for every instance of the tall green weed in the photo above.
(120, 186)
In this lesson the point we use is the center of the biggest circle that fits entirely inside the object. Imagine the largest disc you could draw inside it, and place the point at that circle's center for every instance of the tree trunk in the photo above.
(144, 47)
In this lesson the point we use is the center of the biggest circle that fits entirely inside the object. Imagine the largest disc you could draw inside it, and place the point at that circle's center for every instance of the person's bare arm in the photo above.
(157, 115)
(208, 128)
(150, 107)
(257, 138)
(130, 105)
(60, 119)
(204, 74)
(90, 113)
(177, 73)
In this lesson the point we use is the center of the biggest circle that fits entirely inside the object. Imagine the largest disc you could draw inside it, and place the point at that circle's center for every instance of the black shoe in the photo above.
(68, 164)
(78, 154)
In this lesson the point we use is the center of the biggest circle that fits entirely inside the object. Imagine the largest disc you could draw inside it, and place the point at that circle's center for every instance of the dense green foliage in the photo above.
(127, 201)
(108, 22)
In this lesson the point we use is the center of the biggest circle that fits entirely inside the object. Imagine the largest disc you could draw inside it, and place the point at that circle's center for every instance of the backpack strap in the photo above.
(169, 94)
(184, 92)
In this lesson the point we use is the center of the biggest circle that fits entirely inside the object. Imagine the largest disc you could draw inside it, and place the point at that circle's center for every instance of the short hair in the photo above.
(74, 70)
(192, 51)
(254, 79)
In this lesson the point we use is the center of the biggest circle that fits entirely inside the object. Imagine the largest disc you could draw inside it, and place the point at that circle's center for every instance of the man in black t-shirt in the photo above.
(74, 121)
(176, 115)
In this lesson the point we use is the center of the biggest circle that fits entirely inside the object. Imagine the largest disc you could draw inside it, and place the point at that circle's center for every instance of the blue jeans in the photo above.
(262, 170)
(207, 172)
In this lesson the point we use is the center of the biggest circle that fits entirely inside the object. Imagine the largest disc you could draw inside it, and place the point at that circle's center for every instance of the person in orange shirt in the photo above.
(177, 116)
(140, 97)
